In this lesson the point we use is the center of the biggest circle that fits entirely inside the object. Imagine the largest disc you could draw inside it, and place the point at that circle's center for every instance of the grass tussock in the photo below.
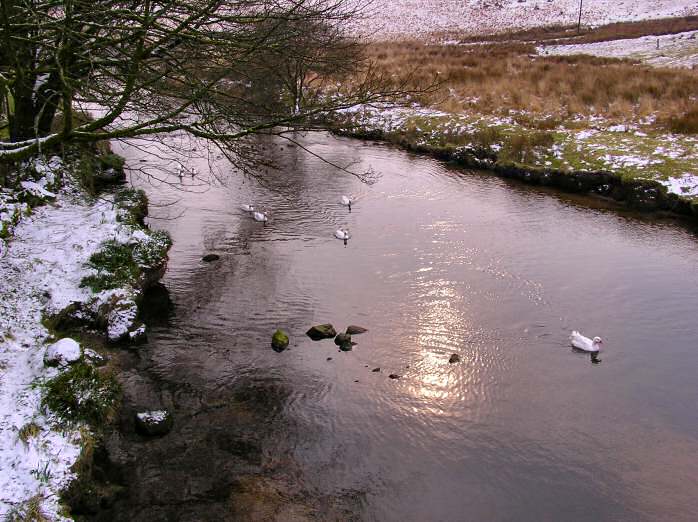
(29, 431)
(28, 511)
(82, 394)
(504, 78)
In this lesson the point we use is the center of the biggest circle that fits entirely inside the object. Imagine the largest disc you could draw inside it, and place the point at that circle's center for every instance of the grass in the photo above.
(29, 431)
(28, 511)
(499, 78)
(569, 34)
(132, 206)
(82, 394)
(115, 267)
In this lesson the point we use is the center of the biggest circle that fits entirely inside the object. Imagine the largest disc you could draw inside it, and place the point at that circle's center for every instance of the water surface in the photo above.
(440, 262)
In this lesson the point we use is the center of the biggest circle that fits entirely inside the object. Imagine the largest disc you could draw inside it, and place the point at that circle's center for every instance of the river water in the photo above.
(441, 262)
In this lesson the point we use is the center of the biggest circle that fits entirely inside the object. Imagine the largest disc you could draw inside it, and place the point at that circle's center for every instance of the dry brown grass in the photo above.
(568, 33)
(497, 78)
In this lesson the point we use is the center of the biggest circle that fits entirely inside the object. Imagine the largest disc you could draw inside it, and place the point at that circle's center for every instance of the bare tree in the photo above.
(217, 69)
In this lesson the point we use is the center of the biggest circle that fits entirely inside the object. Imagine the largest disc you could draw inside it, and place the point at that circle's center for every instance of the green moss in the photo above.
(115, 267)
(82, 394)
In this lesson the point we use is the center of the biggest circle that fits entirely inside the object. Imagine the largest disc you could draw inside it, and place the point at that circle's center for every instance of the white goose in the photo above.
(247, 208)
(346, 201)
(581, 342)
(260, 216)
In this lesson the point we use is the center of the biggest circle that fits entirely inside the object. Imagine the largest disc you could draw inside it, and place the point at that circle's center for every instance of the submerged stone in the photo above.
(394, 376)
(279, 341)
(321, 331)
(154, 423)
(454, 358)
(210, 257)
(352, 329)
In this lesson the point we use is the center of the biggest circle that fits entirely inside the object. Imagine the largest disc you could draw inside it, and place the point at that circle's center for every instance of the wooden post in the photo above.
(579, 22)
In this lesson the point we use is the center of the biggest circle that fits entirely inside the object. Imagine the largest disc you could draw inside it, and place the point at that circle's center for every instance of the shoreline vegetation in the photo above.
(616, 128)
(76, 262)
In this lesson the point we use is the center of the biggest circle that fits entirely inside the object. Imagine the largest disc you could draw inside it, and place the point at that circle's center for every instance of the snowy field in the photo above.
(672, 50)
(419, 18)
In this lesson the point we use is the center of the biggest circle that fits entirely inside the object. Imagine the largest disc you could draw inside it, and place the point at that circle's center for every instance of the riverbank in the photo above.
(634, 164)
(74, 264)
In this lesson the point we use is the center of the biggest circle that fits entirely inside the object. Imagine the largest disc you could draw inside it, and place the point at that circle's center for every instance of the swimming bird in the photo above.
(346, 201)
(260, 216)
(583, 343)
(343, 234)
(247, 208)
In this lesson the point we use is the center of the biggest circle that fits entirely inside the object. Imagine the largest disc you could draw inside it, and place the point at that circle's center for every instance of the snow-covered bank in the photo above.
(45, 261)
(418, 18)
(671, 50)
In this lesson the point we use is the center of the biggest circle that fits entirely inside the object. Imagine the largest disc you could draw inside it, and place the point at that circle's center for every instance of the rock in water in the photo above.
(394, 376)
(342, 338)
(321, 331)
(153, 423)
(210, 257)
(279, 341)
(454, 358)
(63, 352)
(376, 370)
(352, 329)
(346, 347)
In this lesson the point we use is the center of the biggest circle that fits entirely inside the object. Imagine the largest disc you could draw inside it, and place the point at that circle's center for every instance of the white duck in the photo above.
(260, 216)
(346, 201)
(342, 233)
(581, 342)
(247, 208)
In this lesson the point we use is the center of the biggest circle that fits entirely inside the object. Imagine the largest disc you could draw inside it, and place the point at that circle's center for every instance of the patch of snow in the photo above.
(686, 185)
(65, 351)
(154, 416)
(423, 18)
(671, 50)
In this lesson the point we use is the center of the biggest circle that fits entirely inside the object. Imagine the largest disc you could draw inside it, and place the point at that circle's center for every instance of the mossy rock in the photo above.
(342, 338)
(279, 341)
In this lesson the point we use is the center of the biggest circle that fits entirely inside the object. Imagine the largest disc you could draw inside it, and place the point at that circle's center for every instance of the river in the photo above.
(440, 262)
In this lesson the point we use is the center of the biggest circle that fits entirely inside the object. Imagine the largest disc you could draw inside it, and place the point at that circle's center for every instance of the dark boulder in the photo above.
(210, 257)
(454, 358)
(321, 331)
(394, 376)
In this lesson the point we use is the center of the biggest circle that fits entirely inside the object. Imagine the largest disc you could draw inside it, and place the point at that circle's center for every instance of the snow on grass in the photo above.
(602, 146)
(405, 18)
(674, 50)
(41, 270)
